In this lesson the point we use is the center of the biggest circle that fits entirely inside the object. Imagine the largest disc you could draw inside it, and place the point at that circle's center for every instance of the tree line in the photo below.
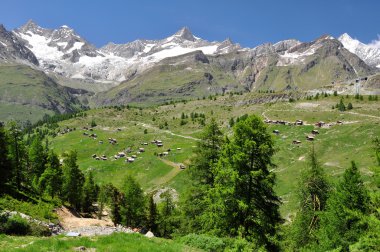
(29, 166)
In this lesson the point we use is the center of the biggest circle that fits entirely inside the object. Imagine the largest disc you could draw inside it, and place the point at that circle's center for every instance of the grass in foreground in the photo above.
(114, 242)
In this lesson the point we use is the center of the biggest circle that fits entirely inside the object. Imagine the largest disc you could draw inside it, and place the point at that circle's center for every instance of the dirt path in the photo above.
(171, 174)
(149, 126)
(71, 220)
(305, 123)
(356, 113)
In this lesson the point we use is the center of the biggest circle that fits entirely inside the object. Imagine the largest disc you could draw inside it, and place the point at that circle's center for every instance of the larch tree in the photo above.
(73, 180)
(37, 159)
(343, 221)
(133, 208)
(202, 176)
(152, 215)
(243, 201)
(17, 153)
(313, 193)
(90, 193)
(51, 179)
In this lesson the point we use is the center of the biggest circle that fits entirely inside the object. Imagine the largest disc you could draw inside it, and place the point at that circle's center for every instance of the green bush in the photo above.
(208, 243)
(16, 225)
(38, 230)
(41, 210)
(212, 243)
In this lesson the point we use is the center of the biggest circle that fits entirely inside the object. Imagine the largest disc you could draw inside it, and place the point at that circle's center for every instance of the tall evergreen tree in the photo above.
(167, 221)
(313, 194)
(52, 179)
(132, 211)
(37, 159)
(243, 200)
(207, 154)
(116, 199)
(5, 162)
(341, 105)
(152, 215)
(73, 180)
(202, 177)
(343, 222)
(17, 152)
(90, 193)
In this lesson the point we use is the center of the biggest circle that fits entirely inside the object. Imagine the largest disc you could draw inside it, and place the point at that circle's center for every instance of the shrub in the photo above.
(16, 225)
(208, 243)
(38, 230)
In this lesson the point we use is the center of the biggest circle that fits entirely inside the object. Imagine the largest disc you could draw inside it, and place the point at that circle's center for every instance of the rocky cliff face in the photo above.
(13, 49)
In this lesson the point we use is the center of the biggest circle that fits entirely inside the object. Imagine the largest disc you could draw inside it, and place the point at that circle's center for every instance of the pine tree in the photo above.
(343, 222)
(52, 179)
(132, 211)
(349, 106)
(73, 180)
(5, 162)
(243, 200)
(37, 159)
(116, 199)
(167, 220)
(17, 152)
(152, 216)
(202, 177)
(207, 154)
(90, 193)
(313, 194)
(341, 105)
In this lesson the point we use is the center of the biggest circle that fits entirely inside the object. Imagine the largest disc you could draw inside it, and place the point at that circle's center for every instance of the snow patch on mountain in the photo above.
(39, 46)
(64, 52)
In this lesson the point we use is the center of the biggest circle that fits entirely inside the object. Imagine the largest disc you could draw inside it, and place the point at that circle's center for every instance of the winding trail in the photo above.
(149, 126)
(330, 123)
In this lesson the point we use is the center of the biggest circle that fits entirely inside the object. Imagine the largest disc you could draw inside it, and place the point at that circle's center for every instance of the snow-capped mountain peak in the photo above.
(186, 34)
(64, 52)
(369, 54)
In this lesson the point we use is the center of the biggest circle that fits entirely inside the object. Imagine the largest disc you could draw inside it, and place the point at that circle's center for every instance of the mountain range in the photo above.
(185, 66)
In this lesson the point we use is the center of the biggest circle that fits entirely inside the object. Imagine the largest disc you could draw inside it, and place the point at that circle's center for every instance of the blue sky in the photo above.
(249, 23)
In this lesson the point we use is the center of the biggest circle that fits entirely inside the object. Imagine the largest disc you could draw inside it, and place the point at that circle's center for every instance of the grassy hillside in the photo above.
(336, 145)
(26, 93)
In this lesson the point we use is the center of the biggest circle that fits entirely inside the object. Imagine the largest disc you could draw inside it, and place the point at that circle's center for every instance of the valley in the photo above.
(336, 145)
